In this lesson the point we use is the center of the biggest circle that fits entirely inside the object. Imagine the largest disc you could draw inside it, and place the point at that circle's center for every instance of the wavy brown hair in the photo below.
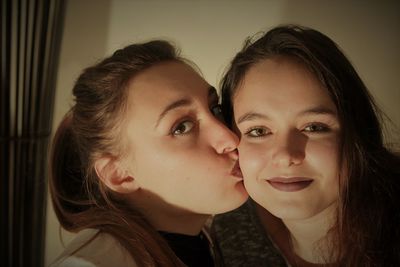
(91, 129)
(367, 231)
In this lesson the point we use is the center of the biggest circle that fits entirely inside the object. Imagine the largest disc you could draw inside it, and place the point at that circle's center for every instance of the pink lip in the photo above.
(291, 184)
(236, 171)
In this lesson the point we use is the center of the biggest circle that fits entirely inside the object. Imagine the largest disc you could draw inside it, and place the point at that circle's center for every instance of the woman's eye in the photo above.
(217, 112)
(316, 127)
(183, 128)
(258, 132)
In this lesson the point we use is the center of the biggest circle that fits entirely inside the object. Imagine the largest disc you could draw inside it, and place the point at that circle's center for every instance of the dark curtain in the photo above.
(31, 33)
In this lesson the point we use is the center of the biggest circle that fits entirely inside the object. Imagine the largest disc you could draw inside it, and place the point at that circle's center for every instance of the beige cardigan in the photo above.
(103, 251)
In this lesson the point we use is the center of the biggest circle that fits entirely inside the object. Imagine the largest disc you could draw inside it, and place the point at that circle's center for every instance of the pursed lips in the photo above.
(289, 184)
(236, 171)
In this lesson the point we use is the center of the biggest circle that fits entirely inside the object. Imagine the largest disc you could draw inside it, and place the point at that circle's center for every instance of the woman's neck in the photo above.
(178, 222)
(302, 240)
(166, 217)
(309, 236)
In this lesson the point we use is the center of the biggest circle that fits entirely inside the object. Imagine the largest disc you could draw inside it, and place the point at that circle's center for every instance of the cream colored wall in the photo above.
(84, 42)
(211, 32)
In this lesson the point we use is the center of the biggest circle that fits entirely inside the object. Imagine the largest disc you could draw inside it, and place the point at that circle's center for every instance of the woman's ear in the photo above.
(114, 176)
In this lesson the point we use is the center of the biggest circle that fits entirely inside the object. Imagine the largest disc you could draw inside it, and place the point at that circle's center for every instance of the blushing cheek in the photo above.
(325, 156)
(250, 161)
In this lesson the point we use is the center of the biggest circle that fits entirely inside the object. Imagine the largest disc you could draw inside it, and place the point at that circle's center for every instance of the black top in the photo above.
(194, 251)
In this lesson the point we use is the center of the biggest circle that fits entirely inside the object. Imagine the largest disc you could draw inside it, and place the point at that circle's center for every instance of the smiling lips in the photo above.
(291, 184)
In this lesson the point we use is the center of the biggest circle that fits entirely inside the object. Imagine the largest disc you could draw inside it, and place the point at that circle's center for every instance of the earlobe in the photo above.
(114, 176)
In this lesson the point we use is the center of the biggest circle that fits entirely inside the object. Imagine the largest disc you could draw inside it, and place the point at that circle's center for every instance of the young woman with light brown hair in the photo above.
(141, 161)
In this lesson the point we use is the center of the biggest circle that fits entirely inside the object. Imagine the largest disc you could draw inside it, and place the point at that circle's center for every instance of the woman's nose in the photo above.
(288, 149)
(223, 140)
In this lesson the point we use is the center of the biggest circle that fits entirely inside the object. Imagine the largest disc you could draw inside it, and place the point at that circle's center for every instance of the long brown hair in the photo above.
(367, 228)
(91, 129)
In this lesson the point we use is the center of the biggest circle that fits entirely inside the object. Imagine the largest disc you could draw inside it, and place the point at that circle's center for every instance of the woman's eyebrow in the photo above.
(251, 116)
(317, 110)
(212, 94)
(176, 104)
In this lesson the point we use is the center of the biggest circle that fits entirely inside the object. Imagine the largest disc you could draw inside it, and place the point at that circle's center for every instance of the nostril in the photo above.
(231, 152)
(227, 150)
(287, 156)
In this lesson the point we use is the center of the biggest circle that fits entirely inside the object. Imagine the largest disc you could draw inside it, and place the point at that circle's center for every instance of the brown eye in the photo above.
(183, 128)
(316, 127)
(258, 132)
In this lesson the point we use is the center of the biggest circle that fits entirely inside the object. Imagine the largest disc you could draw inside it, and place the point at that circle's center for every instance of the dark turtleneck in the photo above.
(194, 251)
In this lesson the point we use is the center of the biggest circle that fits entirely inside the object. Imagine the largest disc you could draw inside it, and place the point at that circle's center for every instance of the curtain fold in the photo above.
(30, 32)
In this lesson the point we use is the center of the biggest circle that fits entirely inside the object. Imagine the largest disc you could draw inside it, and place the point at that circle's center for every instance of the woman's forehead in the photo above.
(172, 77)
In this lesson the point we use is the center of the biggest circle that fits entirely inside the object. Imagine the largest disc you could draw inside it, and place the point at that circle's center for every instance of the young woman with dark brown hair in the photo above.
(325, 187)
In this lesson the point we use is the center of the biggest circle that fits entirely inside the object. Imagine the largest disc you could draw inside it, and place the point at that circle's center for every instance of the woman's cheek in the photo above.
(250, 159)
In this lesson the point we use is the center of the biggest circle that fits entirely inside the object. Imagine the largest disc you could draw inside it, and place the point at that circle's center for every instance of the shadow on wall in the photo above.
(83, 44)
(369, 36)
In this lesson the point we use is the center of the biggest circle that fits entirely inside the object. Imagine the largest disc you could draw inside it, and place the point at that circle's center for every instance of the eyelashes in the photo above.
(316, 127)
(310, 128)
(183, 127)
(189, 123)
(257, 132)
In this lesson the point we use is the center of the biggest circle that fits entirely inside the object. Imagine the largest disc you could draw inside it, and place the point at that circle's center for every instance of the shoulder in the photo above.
(242, 240)
(229, 226)
(239, 224)
(91, 248)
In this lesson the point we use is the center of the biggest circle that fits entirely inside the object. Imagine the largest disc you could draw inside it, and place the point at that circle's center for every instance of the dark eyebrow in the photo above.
(212, 93)
(173, 105)
(249, 116)
(318, 110)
